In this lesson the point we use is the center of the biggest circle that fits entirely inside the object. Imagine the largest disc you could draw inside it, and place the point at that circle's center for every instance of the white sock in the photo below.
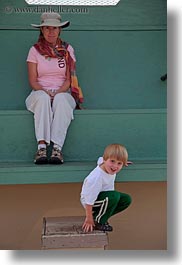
(57, 146)
(41, 146)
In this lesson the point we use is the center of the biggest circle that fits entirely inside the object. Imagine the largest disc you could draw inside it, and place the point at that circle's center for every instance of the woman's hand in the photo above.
(51, 93)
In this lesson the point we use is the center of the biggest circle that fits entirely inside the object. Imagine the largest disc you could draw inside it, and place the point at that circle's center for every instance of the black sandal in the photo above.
(103, 227)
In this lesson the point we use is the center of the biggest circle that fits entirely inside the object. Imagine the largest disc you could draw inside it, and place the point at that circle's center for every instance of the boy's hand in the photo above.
(128, 163)
(88, 224)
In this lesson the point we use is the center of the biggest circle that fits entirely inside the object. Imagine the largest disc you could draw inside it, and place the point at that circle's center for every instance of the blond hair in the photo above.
(116, 151)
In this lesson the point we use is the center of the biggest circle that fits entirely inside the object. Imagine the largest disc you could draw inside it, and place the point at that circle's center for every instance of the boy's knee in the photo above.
(115, 196)
(128, 199)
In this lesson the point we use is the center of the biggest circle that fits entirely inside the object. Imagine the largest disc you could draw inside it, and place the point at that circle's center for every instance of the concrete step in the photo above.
(72, 172)
(66, 233)
(142, 131)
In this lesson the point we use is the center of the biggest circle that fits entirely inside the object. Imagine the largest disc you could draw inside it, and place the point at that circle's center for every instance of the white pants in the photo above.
(51, 121)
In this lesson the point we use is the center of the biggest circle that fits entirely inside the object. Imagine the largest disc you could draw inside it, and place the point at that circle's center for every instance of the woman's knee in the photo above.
(65, 99)
(37, 98)
(60, 96)
(42, 96)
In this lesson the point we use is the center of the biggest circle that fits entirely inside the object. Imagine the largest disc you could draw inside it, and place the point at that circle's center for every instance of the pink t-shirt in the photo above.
(51, 71)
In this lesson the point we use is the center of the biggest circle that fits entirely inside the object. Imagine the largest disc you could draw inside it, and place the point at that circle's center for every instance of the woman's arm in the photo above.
(32, 76)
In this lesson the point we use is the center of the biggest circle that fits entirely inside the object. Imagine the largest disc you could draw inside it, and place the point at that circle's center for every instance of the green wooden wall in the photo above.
(121, 55)
(121, 52)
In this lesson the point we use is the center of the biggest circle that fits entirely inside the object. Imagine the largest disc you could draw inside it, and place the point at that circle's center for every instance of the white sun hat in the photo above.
(51, 19)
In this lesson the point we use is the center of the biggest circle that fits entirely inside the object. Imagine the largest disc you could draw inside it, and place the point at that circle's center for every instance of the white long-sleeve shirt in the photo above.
(98, 180)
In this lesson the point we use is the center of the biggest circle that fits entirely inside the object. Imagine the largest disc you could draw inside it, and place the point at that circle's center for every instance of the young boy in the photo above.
(98, 196)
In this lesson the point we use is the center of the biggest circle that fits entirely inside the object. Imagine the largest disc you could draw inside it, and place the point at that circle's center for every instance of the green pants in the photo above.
(109, 203)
